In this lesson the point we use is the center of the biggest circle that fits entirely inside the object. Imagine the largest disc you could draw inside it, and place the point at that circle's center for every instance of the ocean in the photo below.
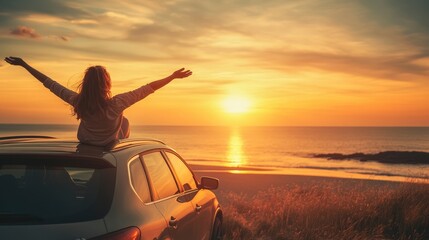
(388, 153)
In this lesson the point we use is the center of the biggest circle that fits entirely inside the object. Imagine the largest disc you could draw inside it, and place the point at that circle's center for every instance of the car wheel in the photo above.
(217, 229)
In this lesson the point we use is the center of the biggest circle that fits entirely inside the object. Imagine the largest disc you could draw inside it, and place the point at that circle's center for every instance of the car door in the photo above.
(168, 197)
(153, 225)
(202, 202)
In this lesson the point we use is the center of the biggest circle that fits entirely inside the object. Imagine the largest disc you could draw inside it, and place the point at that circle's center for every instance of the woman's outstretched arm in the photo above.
(62, 92)
(181, 73)
(19, 62)
(127, 99)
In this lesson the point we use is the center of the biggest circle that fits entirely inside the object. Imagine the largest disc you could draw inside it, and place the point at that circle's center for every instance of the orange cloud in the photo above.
(23, 31)
(381, 67)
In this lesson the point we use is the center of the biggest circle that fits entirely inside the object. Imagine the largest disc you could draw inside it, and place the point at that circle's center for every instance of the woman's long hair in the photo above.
(94, 93)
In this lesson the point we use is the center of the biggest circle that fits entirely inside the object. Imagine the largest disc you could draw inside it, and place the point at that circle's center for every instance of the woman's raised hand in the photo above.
(181, 73)
(15, 61)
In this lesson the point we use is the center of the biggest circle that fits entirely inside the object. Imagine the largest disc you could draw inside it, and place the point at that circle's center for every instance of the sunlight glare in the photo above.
(236, 104)
(236, 157)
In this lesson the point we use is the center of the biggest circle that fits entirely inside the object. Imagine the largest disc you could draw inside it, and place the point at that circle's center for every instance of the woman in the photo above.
(101, 116)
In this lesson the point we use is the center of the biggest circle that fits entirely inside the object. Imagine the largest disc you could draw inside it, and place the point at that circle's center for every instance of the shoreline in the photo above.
(249, 181)
(292, 174)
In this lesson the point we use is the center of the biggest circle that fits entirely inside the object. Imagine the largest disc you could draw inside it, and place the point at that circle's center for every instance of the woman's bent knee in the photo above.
(124, 132)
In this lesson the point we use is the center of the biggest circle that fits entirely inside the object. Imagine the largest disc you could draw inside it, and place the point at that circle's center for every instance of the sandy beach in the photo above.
(252, 180)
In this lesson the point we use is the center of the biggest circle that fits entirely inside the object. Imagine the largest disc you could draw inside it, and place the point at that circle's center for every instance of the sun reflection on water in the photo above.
(235, 156)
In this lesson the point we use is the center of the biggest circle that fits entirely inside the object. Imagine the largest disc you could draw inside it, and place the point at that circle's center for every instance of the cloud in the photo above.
(381, 67)
(183, 22)
(298, 36)
(198, 86)
(27, 32)
(111, 17)
(23, 31)
(412, 16)
(203, 87)
(192, 91)
(50, 7)
(63, 38)
(270, 34)
(84, 21)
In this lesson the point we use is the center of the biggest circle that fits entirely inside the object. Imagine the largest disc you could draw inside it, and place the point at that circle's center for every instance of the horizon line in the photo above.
(168, 125)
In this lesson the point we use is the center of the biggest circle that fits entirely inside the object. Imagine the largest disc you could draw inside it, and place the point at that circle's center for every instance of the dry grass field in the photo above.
(328, 211)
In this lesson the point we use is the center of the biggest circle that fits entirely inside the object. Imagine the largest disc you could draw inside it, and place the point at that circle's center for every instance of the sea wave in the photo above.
(389, 157)
(369, 171)
(390, 174)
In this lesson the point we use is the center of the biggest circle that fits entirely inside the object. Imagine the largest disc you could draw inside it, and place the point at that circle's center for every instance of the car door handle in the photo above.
(173, 222)
(198, 208)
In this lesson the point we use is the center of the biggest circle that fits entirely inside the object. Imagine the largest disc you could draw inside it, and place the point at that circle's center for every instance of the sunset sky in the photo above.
(295, 63)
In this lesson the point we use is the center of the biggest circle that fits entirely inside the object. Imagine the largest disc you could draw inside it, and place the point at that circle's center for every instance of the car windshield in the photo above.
(46, 190)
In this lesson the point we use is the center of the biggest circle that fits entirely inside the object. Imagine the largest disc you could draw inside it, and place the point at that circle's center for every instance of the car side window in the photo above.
(160, 175)
(184, 174)
(139, 180)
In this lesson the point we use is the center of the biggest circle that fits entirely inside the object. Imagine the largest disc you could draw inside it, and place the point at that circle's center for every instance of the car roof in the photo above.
(50, 145)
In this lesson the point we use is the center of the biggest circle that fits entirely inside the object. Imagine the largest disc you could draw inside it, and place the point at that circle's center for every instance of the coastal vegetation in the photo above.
(330, 210)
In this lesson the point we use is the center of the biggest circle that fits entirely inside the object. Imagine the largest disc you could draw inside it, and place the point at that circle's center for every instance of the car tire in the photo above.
(217, 229)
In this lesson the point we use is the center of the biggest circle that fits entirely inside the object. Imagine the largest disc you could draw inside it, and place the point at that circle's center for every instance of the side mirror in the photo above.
(209, 183)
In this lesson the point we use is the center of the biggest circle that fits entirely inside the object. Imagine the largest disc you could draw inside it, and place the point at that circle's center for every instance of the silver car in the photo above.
(134, 189)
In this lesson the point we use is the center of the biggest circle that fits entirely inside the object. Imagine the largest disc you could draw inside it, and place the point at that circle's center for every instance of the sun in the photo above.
(236, 104)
